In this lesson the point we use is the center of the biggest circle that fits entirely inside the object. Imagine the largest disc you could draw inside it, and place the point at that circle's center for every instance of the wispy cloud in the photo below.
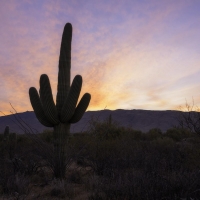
(131, 54)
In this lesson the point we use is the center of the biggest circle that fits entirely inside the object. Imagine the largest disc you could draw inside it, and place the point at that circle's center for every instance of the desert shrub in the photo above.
(102, 156)
(154, 186)
(190, 153)
(17, 184)
(23, 140)
(96, 196)
(58, 189)
(177, 134)
(1, 137)
(149, 169)
(62, 190)
(153, 134)
(47, 136)
(106, 156)
(79, 141)
(106, 130)
(131, 134)
(11, 180)
(75, 177)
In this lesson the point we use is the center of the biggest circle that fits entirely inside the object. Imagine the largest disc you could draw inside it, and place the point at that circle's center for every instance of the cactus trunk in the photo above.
(61, 133)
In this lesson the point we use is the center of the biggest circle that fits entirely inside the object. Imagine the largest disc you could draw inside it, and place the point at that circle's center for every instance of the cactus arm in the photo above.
(64, 68)
(37, 107)
(72, 99)
(81, 108)
(47, 100)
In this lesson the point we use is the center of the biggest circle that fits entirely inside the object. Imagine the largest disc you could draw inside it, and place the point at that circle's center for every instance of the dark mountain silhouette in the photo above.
(143, 120)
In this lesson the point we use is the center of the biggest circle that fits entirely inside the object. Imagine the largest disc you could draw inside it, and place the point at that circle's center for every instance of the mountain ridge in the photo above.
(137, 119)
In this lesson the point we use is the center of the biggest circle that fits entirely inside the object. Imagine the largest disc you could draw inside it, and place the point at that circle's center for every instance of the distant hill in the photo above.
(143, 120)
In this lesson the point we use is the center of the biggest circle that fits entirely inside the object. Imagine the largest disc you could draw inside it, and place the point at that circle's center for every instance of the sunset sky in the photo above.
(132, 54)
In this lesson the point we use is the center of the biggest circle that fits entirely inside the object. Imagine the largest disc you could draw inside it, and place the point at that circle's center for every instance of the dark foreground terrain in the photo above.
(106, 162)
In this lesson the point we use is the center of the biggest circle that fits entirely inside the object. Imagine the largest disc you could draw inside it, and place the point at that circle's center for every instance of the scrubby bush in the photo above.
(178, 134)
(47, 136)
(153, 134)
(106, 131)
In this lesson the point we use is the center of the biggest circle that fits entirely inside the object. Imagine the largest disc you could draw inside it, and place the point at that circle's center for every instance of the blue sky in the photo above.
(132, 54)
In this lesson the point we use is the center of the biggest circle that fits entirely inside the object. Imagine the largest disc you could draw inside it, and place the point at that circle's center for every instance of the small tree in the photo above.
(190, 119)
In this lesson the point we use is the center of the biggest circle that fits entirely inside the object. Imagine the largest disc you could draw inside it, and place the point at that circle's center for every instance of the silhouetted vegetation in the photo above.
(108, 162)
(190, 119)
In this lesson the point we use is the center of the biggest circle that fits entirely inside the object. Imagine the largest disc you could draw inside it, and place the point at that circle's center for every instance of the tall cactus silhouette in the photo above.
(66, 111)
(6, 133)
(10, 140)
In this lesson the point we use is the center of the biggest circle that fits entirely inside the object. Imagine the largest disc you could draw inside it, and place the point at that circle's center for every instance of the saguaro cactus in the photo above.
(10, 140)
(65, 112)
(6, 133)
